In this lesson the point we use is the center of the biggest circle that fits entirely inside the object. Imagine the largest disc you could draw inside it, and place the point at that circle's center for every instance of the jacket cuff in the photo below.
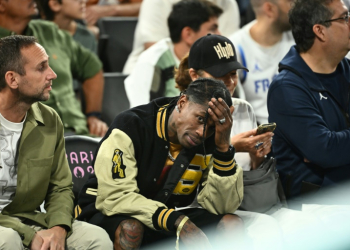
(27, 234)
(60, 219)
(224, 164)
(164, 219)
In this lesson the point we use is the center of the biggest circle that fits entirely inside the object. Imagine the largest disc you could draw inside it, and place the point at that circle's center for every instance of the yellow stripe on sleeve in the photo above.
(223, 162)
(224, 168)
(160, 217)
(166, 216)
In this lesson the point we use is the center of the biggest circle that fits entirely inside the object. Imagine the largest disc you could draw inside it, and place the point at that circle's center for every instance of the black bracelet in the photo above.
(95, 113)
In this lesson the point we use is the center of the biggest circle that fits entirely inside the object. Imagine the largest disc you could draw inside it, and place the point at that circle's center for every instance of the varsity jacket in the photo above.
(130, 160)
(311, 124)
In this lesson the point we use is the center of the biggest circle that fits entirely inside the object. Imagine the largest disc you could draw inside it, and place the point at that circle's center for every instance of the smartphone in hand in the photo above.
(263, 128)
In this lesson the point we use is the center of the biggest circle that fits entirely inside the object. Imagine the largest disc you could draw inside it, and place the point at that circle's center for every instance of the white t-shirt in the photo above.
(262, 63)
(243, 120)
(148, 74)
(10, 134)
(152, 24)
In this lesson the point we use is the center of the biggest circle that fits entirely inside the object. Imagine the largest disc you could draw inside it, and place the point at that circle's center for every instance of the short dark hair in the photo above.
(11, 58)
(190, 13)
(303, 15)
(45, 10)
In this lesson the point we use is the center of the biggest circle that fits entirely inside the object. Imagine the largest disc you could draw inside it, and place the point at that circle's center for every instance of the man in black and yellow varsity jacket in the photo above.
(137, 176)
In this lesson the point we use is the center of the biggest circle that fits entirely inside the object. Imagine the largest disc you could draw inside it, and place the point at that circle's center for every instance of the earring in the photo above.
(177, 109)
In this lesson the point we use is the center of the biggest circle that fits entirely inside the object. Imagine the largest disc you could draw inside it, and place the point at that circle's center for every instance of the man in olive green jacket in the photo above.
(33, 164)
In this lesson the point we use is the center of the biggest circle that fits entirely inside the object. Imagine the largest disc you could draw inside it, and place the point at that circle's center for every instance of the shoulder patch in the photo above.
(118, 168)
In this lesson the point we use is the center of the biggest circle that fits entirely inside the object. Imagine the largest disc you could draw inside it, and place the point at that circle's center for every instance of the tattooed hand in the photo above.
(192, 236)
(218, 110)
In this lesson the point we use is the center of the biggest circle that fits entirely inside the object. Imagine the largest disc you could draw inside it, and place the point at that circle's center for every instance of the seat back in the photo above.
(80, 152)
(120, 31)
(115, 99)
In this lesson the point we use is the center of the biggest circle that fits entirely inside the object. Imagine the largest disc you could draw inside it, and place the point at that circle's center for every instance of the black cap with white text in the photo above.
(215, 54)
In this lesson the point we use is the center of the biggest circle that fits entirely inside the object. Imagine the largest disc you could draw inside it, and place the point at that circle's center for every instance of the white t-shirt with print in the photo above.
(10, 133)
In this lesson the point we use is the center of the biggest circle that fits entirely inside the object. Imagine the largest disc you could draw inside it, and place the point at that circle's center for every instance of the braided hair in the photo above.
(202, 90)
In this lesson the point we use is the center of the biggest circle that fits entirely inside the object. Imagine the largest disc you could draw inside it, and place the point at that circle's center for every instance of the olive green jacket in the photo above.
(43, 174)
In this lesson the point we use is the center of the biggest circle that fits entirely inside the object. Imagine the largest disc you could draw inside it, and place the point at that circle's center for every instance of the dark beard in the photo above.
(32, 99)
(39, 97)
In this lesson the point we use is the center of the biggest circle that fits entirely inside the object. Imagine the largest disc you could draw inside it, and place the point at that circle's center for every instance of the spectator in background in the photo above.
(260, 45)
(67, 59)
(106, 8)
(153, 75)
(33, 163)
(309, 101)
(152, 25)
(64, 13)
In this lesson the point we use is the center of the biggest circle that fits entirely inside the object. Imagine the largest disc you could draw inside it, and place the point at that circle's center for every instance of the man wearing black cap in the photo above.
(214, 56)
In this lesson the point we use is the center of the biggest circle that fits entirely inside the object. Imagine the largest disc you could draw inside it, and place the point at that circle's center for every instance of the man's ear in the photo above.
(193, 74)
(188, 36)
(55, 6)
(182, 102)
(270, 9)
(319, 31)
(11, 79)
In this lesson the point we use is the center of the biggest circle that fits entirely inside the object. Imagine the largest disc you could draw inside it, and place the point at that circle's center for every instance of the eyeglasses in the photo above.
(344, 18)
